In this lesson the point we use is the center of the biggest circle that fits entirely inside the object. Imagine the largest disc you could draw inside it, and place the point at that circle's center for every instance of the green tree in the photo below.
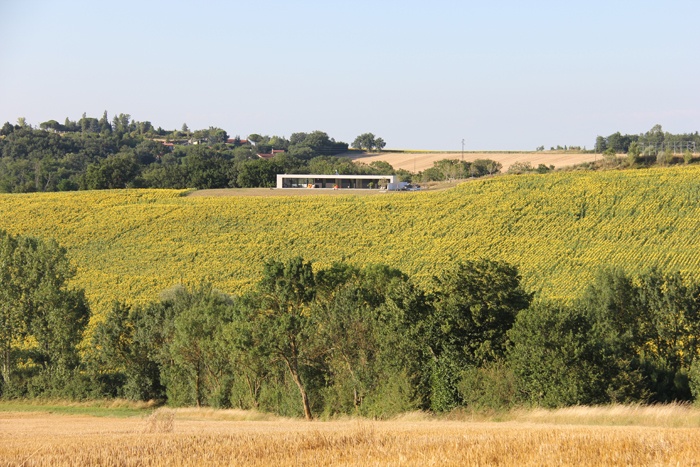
(557, 357)
(623, 324)
(687, 156)
(38, 311)
(216, 135)
(257, 173)
(616, 142)
(650, 324)
(284, 325)
(521, 168)
(199, 359)
(655, 135)
(124, 362)
(170, 349)
(672, 306)
(379, 144)
(370, 321)
(476, 303)
(694, 383)
(368, 142)
(250, 365)
(121, 124)
(381, 167)
(51, 125)
(600, 145)
(633, 154)
(664, 157)
(204, 167)
(482, 167)
(113, 172)
(105, 126)
(6, 129)
(451, 169)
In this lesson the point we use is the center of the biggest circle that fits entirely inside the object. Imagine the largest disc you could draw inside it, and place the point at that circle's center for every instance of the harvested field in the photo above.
(191, 437)
(417, 162)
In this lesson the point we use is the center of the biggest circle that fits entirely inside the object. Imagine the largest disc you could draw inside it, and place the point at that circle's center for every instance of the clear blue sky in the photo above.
(421, 74)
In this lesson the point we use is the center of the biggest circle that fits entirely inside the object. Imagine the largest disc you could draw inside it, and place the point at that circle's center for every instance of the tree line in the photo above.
(92, 153)
(320, 342)
(652, 140)
(455, 169)
(98, 154)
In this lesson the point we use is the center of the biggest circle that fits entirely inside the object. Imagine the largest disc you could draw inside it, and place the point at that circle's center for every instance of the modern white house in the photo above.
(337, 182)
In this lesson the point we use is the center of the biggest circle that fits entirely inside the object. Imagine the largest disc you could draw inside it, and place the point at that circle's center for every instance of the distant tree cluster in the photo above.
(95, 153)
(454, 169)
(304, 146)
(368, 142)
(619, 143)
(526, 167)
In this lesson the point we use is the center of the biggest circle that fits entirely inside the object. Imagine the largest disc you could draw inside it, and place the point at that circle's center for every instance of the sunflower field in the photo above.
(557, 228)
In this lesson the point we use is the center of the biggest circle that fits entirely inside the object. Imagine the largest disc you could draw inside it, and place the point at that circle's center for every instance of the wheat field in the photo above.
(578, 436)
(419, 161)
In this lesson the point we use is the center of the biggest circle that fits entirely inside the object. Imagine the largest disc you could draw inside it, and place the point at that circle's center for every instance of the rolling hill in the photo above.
(415, 161)
(558, 228)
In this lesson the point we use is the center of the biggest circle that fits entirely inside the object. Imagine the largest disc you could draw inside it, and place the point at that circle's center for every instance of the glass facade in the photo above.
(341, 182)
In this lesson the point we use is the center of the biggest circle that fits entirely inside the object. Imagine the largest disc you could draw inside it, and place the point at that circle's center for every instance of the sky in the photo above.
(425, 75)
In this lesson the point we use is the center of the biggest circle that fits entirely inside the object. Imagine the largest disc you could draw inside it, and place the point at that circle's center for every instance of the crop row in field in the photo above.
(558, 228)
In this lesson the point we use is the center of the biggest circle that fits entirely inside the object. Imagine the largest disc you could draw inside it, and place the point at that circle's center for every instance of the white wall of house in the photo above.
(342, 182)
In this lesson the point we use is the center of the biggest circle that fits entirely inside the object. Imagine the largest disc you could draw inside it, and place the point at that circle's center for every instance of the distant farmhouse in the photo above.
(271, 154)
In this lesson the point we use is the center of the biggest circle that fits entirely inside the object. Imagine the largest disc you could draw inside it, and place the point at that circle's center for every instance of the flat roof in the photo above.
(333, 177)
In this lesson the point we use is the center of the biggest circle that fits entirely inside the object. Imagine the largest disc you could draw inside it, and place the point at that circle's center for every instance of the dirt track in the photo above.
(416, 162)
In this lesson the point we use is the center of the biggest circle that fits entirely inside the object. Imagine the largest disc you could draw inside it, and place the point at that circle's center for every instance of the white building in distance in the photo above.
(337, 182)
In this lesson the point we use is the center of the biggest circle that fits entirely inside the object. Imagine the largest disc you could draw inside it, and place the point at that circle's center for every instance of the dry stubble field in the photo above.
(417, 162)
(578, 436)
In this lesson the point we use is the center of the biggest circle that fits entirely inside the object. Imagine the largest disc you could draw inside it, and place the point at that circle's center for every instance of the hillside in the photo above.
(558, 228)
(418, 161)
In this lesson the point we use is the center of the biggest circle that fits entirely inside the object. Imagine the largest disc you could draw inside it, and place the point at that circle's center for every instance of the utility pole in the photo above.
(462, 148)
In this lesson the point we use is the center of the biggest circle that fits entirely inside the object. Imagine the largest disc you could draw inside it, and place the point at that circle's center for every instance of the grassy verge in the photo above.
(98, 408)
